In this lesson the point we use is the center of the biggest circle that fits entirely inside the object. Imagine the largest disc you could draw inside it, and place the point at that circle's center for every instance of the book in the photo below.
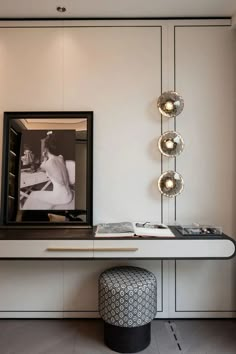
(116, 229)
(130, 229)
(152, 229)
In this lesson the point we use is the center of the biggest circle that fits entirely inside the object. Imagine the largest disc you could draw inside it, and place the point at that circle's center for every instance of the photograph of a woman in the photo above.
(47, 181)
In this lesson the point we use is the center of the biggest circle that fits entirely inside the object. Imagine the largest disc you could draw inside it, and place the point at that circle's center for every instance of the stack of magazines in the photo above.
(130, 229)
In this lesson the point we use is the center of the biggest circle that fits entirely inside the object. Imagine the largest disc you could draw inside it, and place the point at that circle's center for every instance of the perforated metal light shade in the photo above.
(171, 144)
(170, 184)
(170, 104)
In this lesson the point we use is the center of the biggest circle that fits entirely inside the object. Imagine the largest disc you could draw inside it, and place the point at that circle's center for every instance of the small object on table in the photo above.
(199, 230)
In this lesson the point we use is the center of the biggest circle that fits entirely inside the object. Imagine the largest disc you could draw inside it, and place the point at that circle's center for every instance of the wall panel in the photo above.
(30, 286)
(213, 288)
(203, 75)
(118, 73)
(204, 69)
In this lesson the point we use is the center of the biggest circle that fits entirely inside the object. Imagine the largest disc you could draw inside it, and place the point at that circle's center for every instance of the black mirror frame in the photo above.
(8, 116)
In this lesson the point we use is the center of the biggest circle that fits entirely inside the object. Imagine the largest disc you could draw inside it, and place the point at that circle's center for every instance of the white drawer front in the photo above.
(163, 248)
(46, 249)
(123, 248)
(117, 248)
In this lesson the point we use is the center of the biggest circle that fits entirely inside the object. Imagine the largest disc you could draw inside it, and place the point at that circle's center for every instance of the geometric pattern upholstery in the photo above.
(127, 296)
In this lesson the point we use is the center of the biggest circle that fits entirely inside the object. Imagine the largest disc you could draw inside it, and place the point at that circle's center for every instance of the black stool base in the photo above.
(127, 340)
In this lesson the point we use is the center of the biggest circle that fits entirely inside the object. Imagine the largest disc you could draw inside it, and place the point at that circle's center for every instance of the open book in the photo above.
(129, 229)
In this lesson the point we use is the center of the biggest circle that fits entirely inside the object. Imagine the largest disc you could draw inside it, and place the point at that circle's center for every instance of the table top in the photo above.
(76, 233)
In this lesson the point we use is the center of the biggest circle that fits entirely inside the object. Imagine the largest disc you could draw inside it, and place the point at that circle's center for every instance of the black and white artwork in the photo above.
(47, 170)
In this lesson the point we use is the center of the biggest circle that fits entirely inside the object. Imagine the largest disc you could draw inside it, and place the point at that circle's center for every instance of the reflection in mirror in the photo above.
(48, 168)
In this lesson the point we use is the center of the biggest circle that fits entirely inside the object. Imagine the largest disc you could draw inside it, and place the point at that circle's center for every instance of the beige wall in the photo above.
(118, 72)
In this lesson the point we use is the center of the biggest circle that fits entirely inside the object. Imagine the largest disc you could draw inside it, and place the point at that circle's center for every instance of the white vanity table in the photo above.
(81, 244)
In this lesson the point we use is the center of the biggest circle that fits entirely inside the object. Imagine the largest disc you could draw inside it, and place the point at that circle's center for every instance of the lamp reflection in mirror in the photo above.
(170, 184)
(171, 144)
(170, 104)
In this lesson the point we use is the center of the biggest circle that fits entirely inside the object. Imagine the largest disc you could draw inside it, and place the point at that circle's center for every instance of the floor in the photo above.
(86, 337)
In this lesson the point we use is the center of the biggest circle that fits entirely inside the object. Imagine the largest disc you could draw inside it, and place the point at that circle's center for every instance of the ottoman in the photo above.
(127, 304)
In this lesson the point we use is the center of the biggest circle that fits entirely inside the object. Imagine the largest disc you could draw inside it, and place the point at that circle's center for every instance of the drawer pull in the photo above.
(126, 249)
(74, 249)
(69, 249)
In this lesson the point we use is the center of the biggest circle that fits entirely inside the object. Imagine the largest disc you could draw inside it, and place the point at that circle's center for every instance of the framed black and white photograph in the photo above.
(47, 168)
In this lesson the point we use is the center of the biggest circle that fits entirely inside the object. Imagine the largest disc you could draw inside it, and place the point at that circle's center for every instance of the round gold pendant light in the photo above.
(170, 184)
(171, 144)
(170, 104)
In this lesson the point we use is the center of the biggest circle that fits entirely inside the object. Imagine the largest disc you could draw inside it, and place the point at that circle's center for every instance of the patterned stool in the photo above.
(127, 304)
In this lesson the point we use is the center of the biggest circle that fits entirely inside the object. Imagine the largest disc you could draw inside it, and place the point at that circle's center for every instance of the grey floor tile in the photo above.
(207, 336)
(89, 339)
(86, 337)
(38, 337)
(163, 337)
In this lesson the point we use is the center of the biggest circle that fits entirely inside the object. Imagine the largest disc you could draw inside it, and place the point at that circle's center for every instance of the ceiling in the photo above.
(117, 8)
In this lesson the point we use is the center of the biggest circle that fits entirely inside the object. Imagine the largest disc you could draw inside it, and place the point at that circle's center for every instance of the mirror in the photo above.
(47, 169)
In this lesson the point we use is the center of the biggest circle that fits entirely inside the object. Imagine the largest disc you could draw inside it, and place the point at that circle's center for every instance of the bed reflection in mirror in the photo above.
(48, 168)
